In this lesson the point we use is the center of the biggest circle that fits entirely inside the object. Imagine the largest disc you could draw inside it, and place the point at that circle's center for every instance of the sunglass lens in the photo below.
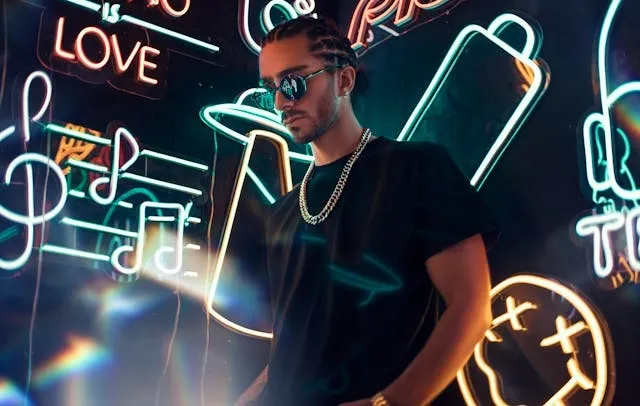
(293, 87)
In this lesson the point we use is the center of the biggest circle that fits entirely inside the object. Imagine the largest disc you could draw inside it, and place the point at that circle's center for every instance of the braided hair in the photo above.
(326, 41)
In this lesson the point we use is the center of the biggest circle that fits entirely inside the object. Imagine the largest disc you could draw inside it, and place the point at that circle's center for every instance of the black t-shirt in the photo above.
(352, 301)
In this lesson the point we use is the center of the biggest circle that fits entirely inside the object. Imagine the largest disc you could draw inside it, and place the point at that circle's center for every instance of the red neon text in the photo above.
(109, 48)
(168, 8)
(370, 13)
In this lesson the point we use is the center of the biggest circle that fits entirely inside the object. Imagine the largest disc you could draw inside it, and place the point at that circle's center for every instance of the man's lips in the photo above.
(291, 119)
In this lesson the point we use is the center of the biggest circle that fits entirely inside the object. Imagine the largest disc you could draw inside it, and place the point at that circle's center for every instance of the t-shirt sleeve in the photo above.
(448, 209)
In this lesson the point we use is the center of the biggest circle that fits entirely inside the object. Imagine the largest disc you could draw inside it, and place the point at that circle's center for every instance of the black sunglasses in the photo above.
(292, 86)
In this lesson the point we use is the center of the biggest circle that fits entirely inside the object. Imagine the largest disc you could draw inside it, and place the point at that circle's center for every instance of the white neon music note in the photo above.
(30, 220)
(116, 168)
(158, 257)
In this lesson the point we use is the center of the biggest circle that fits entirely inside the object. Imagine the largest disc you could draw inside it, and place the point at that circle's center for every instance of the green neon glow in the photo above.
(270, 119)
(77, 191)
(386, 280)
(115, 16)
(8, 233)
(287, 9)
(604, 171)
(96, 227)
(290, 12)
(527, 57)
(55, 249)
(261, 186)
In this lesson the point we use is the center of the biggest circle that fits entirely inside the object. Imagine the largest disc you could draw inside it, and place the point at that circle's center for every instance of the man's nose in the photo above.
(281, 102)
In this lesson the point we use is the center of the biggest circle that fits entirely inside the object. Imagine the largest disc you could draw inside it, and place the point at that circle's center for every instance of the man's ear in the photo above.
(347, 80)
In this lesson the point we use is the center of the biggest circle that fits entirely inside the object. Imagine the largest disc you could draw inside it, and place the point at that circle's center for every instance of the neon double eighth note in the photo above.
(30, 220)
(162, 252)
(526, 57)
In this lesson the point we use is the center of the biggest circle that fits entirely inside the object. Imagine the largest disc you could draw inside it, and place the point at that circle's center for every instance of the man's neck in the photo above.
(340, 140)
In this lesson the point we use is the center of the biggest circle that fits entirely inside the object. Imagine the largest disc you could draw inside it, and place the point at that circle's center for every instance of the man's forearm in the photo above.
(447, 350)
(252, 393)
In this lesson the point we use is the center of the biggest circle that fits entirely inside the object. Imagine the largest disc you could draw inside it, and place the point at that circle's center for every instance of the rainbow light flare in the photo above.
(82, 354)
(10, 394)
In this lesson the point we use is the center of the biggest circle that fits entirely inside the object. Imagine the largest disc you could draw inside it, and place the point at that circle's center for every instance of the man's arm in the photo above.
(252, 393)
(461, 275)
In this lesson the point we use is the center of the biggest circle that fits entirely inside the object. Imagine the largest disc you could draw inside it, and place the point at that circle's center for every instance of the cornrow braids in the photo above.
(326, 40)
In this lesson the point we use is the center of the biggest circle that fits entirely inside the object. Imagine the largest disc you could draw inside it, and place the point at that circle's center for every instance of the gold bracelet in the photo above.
(379, 400)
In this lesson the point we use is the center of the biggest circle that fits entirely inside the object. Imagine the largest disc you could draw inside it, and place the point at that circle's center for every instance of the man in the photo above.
(357, 253)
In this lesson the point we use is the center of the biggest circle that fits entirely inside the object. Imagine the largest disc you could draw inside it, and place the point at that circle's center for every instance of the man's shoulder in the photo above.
(411, 151)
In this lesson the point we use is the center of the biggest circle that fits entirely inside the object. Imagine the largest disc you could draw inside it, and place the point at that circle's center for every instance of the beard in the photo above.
(326, 118)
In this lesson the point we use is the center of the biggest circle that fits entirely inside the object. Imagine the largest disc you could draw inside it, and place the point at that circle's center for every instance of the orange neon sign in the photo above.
(376, 13)
(547, 345)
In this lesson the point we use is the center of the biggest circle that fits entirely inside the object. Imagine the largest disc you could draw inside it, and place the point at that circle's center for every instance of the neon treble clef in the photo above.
(30, 220)
(116, 169)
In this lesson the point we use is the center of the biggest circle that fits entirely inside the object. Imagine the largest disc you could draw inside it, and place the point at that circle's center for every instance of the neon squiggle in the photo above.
(30, 220)
(299, 8)
(161, 252)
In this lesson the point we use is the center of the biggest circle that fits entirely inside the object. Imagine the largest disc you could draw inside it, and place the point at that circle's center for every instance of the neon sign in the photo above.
(556, 330)
(526, 59)
(102, 190)
(271, 122)
(109, 47)
(118, 172)
(120, 55)
(289, 10)
(614, 230)
(370, 14)
(111, 13)
(27, 159)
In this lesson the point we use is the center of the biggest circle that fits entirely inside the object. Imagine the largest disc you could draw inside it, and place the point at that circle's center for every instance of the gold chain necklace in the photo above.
(337, 191)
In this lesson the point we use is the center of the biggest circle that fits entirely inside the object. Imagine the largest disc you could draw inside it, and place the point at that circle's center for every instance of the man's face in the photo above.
(311, 116)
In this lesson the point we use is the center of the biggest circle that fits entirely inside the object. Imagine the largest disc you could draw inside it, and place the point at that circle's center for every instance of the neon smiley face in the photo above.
(547, 345)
